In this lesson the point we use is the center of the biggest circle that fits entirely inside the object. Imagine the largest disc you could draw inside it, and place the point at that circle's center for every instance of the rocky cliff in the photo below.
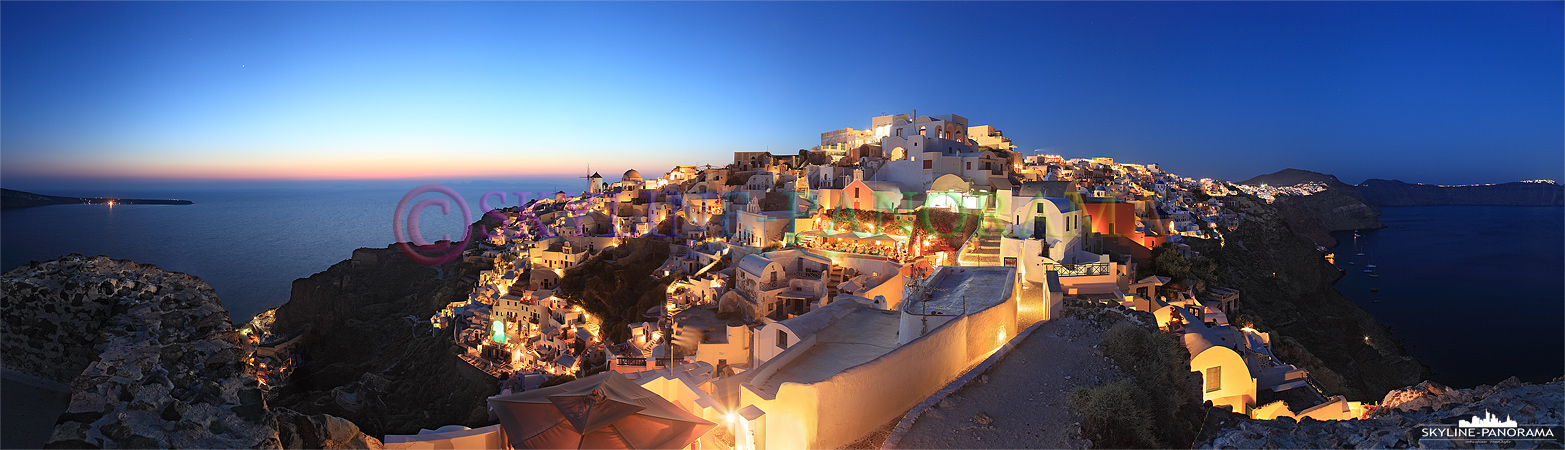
(1398, 193)
(151, 358)
(1398, 420)
(1339, 207)
(1287, 287)
(368, 352)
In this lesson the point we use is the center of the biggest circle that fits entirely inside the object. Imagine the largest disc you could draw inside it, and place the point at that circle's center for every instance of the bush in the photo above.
(1197, 272)
(1116, 415)
(1159, 369)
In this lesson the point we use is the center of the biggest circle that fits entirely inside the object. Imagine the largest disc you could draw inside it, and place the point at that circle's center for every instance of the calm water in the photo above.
(249, 244)
(1475, 292)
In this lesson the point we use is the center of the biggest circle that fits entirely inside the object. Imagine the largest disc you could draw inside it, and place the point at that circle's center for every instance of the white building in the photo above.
(777, 284)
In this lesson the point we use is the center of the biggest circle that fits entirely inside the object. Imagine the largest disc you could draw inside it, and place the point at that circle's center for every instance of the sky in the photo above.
(135, 92)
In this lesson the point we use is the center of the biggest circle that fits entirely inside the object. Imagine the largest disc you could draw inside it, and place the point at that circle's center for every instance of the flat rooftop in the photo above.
(857, 338)
(953, 287)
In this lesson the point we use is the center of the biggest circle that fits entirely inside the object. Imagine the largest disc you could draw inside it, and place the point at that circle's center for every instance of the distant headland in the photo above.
(1520, 193)
(13, 199)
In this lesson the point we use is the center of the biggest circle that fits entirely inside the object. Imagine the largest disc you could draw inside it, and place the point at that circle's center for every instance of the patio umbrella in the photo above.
(883, 238)
(600, 411)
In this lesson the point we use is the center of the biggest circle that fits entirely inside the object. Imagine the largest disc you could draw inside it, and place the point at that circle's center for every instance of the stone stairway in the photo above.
(985, 247)
(834, 278)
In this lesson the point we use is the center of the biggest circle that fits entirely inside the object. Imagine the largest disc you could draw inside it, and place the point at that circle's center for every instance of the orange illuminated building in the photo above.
(1113, 218)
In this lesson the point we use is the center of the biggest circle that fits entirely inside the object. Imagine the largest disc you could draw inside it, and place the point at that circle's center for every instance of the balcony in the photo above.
(1082, 270)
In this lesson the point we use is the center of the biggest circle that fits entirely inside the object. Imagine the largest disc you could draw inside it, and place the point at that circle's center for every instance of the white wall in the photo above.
(834, 412)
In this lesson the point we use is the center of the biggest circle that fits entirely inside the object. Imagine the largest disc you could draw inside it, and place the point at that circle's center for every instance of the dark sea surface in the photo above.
(247, 243)
(1475, 292)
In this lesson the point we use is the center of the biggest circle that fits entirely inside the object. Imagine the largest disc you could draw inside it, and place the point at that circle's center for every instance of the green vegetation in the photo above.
(950, 230)
(1156, 407)
(1117, 415)
(864, 221)
(1198, 272)
(617, 286)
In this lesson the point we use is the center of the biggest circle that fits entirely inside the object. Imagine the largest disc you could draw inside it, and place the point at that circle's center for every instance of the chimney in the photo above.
(858, 174)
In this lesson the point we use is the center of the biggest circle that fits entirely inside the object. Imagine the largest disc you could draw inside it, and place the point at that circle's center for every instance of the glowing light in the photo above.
(498, 330)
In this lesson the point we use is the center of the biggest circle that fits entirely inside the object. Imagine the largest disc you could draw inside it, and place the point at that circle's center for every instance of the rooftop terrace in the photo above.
(953, 288)
(856, 338)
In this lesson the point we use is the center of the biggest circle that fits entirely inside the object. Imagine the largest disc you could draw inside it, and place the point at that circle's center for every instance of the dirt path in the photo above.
(1025, 396)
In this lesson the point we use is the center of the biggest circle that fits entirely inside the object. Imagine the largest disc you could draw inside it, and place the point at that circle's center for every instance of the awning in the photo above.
(600, 411)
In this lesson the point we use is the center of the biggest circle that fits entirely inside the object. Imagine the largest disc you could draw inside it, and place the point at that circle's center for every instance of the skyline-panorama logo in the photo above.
(1489, 428)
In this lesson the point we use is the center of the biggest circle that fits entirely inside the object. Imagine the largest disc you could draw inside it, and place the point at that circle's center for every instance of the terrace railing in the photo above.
(1082, 270)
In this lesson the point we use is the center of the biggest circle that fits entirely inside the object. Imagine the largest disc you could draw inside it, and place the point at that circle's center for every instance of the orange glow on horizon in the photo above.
(321, 168)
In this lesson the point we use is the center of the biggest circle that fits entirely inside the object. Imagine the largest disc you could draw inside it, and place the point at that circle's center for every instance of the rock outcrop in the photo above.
(1339, 207)
(1397, 193)
(151, 357)
(367, 350)
(1398, 420)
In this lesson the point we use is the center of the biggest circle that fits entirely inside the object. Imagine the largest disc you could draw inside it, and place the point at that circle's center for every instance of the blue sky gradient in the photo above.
(1441, 92)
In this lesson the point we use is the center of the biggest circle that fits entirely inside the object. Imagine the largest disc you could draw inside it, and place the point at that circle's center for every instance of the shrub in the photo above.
(1159, 369)
(1116, 415)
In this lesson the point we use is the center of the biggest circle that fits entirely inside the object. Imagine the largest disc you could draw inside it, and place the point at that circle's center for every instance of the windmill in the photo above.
(594, 181)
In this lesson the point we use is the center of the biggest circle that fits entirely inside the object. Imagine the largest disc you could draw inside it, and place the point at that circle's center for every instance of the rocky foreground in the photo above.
(152, 360)
(1398, 420)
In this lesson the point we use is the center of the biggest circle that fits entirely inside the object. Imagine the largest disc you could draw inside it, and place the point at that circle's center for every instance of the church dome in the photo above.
(631, 175)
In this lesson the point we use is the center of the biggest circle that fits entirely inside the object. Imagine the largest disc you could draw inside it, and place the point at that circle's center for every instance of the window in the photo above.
(922, 131)
(929, 164)
(969, 165)
(1040, 208)
(1214, 381)
(855, 192)
(1111, 228)
(782, 339)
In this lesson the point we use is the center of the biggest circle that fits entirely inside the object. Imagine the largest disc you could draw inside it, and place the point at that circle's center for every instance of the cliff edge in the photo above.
(1288, 287)
(151, 358)
(368, 352)
(1338, 207)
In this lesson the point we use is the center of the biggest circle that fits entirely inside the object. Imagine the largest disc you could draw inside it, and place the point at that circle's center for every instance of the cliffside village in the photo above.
(820, 295)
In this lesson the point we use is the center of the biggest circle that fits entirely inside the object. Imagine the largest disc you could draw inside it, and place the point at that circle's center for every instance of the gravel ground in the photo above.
(1022, 401)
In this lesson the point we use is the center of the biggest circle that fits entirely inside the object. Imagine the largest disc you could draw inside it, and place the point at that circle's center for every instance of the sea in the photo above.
(1475, 292)
(249, 243)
